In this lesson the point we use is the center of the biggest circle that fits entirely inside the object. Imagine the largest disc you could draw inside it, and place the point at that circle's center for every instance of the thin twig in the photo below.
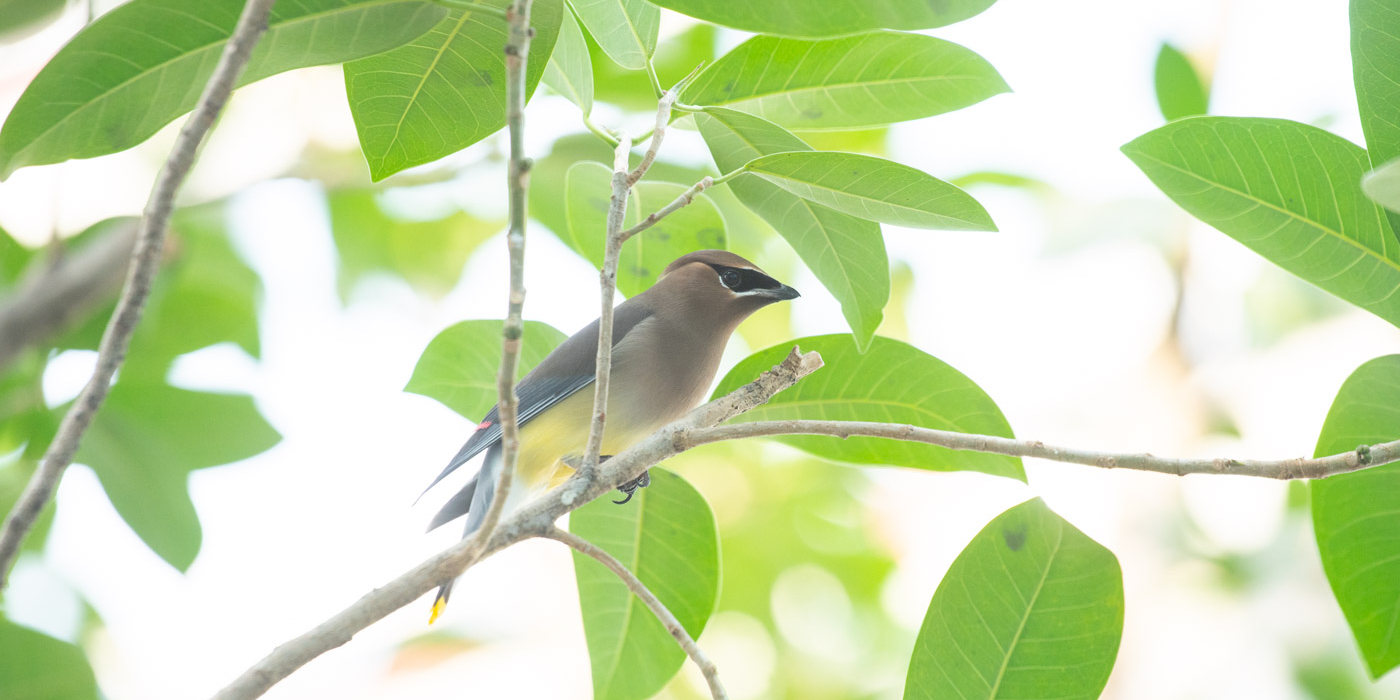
(659, 609)
(532, 520)
(145, 261)
(663, 117)
(607, 283)
(1297, 468)
(685, 198)
(513, 330)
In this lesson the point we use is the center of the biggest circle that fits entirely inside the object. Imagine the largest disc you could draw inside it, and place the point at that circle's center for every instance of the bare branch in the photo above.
(65, 291)
(145, 261)
(663, 117)
(513, 330)
(1362, 457)
(533, 520)
(685, 198)
(657, 608)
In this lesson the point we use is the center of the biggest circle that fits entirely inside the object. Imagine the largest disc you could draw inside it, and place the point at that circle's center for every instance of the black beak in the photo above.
(782, 293)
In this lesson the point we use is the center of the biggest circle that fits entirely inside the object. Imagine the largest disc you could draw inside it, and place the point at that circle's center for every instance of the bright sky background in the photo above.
(1061, 317)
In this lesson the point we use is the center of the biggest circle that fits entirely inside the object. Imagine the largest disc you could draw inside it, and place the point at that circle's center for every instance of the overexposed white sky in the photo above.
(1061, 317)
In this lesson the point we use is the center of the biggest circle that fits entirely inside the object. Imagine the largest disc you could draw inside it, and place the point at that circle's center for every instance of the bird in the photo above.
(667, 342)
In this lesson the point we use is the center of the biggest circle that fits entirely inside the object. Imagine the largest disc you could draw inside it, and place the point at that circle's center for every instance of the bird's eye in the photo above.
(730, 278)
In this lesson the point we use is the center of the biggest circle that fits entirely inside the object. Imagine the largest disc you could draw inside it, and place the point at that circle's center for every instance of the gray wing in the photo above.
(568, 369)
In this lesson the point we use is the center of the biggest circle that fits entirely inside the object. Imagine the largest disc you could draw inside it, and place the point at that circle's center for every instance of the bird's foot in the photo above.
(631, 487)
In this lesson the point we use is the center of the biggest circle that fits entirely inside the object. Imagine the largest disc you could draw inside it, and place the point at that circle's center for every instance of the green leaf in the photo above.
(1289, 191)
(1180, 90)
(893, 382)
(1375, 57)
(588, 192)
(846, 253)
(1354, 515)
(39, 667)
(428, 254)
(848, 82)
(625, 29)
(148, 438)
(1382, 185)
(873, 188)
(143, 64)
(1031, 608)
(570, 69)
(27, 15)
(675, 58)
(458, 368)
(666, 536)
(830, 18)
(443, 91)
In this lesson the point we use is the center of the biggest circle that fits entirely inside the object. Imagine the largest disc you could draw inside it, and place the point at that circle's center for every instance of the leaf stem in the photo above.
(145, 262)
(601, 131)
(655, 80)
(685, 198)
(730, 175)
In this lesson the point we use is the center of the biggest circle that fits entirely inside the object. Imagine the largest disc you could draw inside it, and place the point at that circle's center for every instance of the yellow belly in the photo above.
(562, 432)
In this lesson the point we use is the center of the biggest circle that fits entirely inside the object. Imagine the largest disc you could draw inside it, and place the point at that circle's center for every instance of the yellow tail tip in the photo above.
(438, 606)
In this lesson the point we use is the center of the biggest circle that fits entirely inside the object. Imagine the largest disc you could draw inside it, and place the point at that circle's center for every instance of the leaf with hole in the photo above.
(587, 198)
(892, 382)
(1289, 191)
(666, 536)
(849, 82)
(873, 188)
(846, 254)
(830, 18)
(143, 64)
(443, 91)
(459, 366)
(1355, 518)
(1031, 608)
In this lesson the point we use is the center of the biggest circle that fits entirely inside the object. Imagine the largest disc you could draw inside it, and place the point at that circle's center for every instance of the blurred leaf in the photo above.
(831, 18)
(847, 254)
(1308, 215)
(625, 29)
(1375, 57)
(570, 69)
(443, 91)
(85, 104)
(205, 294)
(675, 58)
(148, 438)
(28, 15)
(873, 188)
(667, 537)
(429, 255)
(892, 382)
(458, 368)
(1180, 90)
(14, 257)
(992, 177)
(588, 193)
(1355, 517)
(27, 426)
(848, 82)
(1031, 608)
(869, 141)
(1382, 185)
(39, 667)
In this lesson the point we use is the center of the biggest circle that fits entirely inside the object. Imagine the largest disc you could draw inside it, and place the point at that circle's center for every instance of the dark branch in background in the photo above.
(654, 604)
(1362, 457)
(533, 520)
(63, 292)
(145, 260)
(517, 183)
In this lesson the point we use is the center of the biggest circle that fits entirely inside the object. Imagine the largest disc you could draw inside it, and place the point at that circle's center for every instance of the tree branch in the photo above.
(145, 260)
(657, 608)
(513, 330)
(532, 520)
(663, 117)
(1298, 468)
(685, 198)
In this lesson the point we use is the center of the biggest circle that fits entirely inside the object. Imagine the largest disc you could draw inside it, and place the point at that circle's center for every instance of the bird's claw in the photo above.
(631, 487)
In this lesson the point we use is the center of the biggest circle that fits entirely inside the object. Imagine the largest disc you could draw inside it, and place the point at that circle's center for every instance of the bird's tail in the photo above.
(484, 491)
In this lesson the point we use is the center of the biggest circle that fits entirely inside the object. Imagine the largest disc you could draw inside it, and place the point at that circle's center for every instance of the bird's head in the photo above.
(720, 285)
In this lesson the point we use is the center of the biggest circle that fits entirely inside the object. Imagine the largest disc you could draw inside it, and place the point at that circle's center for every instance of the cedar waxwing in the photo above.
(667, 343)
